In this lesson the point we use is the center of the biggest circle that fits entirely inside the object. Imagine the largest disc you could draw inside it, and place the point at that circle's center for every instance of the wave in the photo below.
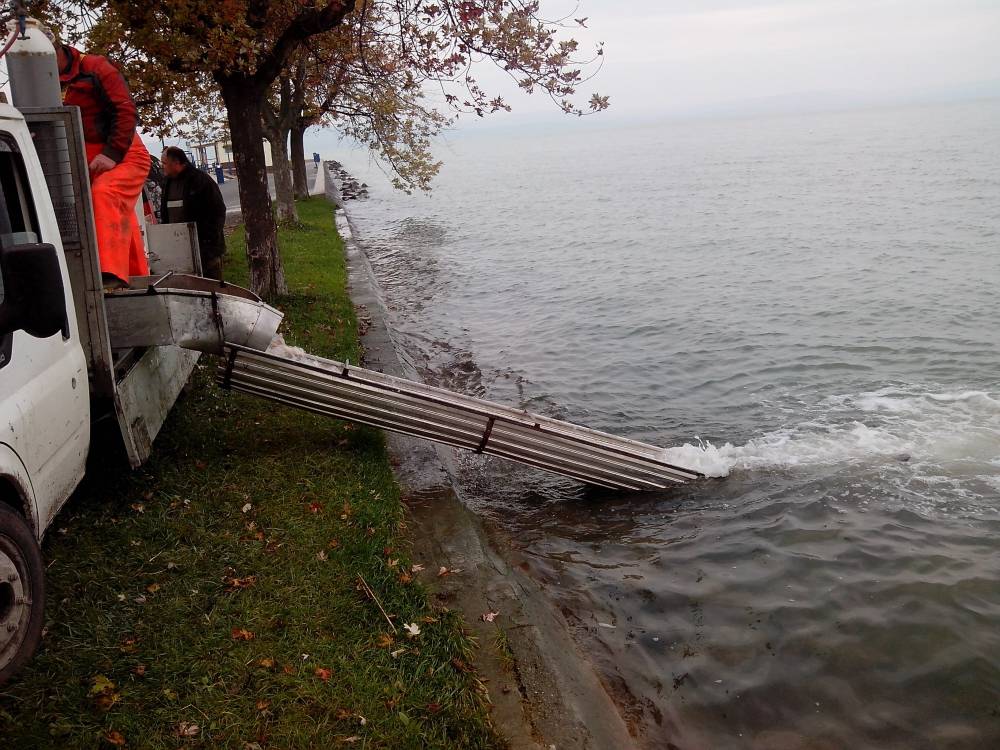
(946, 434)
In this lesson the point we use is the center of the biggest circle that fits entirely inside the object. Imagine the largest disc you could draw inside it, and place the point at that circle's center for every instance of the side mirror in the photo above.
(34, 299)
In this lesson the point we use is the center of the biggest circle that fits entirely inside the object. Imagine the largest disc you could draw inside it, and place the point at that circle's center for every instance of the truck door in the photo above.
(44, 400)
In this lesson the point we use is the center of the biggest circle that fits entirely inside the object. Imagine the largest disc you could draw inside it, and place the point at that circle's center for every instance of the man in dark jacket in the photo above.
(191, 195)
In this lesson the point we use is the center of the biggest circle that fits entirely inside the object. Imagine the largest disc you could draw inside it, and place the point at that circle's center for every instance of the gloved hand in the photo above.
(101, 164)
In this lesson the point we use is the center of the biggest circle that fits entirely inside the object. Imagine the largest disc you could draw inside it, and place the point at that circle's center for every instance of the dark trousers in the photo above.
(211, 268)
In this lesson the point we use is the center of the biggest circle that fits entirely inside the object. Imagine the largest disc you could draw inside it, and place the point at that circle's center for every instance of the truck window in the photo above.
(18, 221)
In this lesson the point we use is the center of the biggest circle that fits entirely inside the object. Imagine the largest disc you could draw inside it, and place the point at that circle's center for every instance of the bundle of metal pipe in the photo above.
(353, 393)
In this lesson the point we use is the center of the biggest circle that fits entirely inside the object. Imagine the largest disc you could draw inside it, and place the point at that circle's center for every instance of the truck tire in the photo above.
(22, 593)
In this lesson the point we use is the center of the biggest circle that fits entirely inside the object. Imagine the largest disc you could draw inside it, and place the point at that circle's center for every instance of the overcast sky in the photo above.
(680, 58)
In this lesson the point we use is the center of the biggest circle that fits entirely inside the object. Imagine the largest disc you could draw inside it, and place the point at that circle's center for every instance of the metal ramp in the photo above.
(347, 392)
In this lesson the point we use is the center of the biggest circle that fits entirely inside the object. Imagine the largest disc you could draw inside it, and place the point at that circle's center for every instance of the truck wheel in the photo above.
(22, 593)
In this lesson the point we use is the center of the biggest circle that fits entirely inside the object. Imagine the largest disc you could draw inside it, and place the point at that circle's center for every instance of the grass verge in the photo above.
(212, 599)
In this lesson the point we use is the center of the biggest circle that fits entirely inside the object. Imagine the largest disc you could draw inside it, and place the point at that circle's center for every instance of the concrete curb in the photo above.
(550, 696)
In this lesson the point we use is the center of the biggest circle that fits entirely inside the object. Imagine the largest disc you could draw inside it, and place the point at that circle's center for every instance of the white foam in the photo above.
(938, 434)
(279, 348)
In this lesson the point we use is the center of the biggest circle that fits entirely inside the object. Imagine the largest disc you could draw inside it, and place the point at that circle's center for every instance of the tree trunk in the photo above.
(300, 183)
(285, 198)
(242, 97)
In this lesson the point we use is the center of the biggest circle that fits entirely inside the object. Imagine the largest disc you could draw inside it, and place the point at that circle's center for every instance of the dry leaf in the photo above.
(443, 571)
(242, 634)
(315, 507)
(322, 673)
(247, 508)
(187, 729)
(395, 654)
(288, 669)
(114, 737)
(129, 645)
(153, 588)
(393, 563)
(412, 629)
(139, 670)
(334, 543)
(263, 705)
(266, 663)
(433, 707)
(239, 583)
(460, 665)
(416, 568)
(384, 640)
(349, 740)
(321, 555)
(138, 507)
(490, 616)
(405, 578)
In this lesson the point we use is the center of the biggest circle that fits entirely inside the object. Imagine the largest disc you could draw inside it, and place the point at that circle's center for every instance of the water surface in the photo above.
(806, 309)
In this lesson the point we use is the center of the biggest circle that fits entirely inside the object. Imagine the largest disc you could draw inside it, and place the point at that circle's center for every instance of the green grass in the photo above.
(146, 624)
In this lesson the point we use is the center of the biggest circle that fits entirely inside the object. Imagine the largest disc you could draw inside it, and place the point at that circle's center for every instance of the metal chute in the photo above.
(347, 392)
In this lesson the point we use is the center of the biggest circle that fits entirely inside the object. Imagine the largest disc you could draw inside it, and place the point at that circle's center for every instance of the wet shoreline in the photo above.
(544, 691)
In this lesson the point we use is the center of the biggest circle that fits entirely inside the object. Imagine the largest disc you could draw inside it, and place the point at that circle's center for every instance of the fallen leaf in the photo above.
(433, 707)
(334, 543)
(266, 663)
(460, 665)
(428, 619)
(139, 670)
(102, 690)
(443, 571)
(170, 695)
(342, 714)
(490, 616)
(114, 737)
(315, 507)
(263, 705)
(247, 508)
(288, 669)
(187, 729)
(153, 588)
(349, 740)
(140, 599)
(416, 568)
(138, 507)
(395, 654)
(321, 555)
(405, 578)
(392, 563)
(384, 640)
(239, 583)
(412, 629)
(242, 634)
(323, 674)
(129, 645)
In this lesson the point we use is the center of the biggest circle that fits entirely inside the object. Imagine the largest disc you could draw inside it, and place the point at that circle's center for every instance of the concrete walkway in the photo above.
(231, 190)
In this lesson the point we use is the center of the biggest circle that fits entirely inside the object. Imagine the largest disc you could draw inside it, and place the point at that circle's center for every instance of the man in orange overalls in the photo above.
(118, 160)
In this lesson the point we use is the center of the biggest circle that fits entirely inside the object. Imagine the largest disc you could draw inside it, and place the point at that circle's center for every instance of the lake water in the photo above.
(804, 307)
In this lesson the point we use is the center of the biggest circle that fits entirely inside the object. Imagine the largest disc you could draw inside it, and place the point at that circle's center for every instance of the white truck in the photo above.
(70, 354)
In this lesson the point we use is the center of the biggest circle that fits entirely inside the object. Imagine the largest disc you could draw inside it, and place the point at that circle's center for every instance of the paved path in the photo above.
(231, 191)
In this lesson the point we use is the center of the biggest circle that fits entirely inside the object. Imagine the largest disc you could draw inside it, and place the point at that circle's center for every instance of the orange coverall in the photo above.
(98, 88)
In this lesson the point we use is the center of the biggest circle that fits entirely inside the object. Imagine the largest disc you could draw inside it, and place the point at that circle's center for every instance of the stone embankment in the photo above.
(350, 188)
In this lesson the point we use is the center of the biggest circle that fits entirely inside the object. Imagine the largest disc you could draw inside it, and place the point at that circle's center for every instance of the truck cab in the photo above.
(44, 392)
